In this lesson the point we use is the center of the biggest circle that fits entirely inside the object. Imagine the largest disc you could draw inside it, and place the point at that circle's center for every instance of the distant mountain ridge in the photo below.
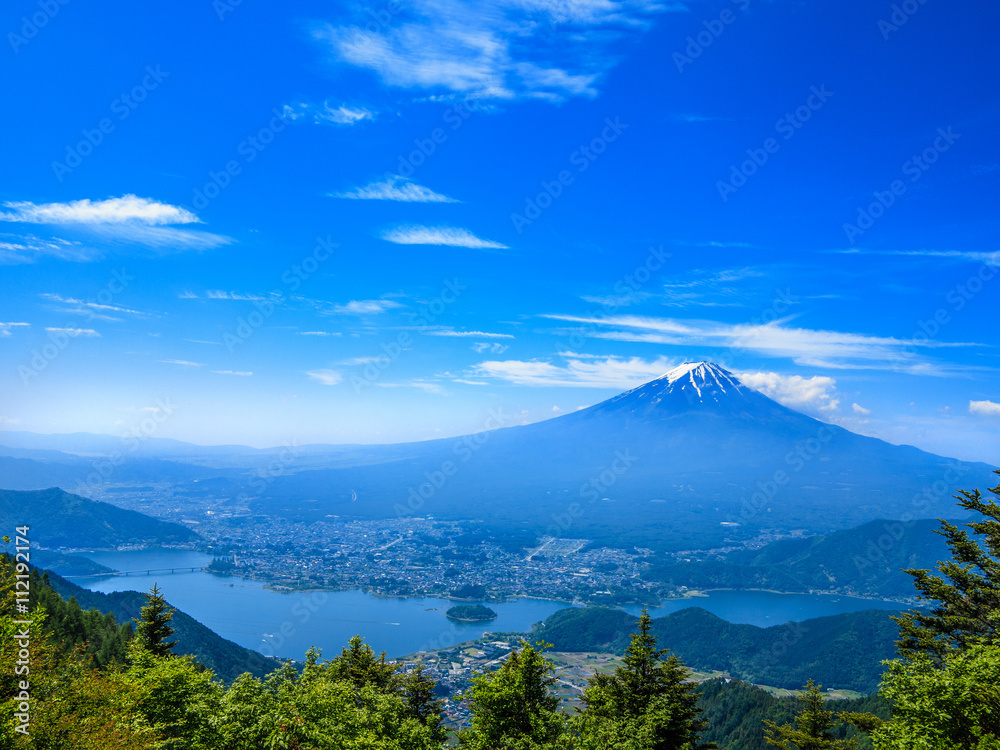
(59, 519)
(839, 651)
(693, 459)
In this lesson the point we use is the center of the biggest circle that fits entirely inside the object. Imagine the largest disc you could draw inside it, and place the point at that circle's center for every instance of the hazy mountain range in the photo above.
(690, 459)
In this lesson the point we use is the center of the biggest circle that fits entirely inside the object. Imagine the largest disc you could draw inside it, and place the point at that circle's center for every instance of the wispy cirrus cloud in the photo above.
(242, 374)
(89, 308)
(469, 334)
(325, 377)
(395, 188)
(576, 371)
(449, 236)
(5, 328)
(804, 346)
(181, 362)
(128, 219)
(129, 209)
(989, 257)
(75, 332)
(502, 49)
(237, 296)
(365, 307)
(341, 114)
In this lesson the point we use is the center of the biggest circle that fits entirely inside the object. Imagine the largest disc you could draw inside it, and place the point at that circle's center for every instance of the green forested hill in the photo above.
(867, 560)
(227, 659)
(841, 651)
(59, 519)
(736, 711)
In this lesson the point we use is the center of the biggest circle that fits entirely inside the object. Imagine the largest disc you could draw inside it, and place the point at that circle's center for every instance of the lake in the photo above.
(287, 624)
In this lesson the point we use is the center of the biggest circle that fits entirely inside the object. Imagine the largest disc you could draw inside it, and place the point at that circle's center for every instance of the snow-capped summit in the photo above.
(691, 385)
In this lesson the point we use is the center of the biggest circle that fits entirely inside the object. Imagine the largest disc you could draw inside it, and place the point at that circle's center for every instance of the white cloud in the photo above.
(589, 372)
(807, 347)
(422, 385)
(320, 333)
(5, 328)
(365, 307)
(75, 332)
(129, 209)
(29, 248)
(984, 408)
(817, 392)
(469, 334)
(395, 188)
(469, 382)
(181, 362)
(89, 308)
(10, 420)
(451, 236)
(501, 49)
(128, 219)
(496, 347)
(239, 296)
(990, 258)
(326, 377)
(232, 372)
(860, 410)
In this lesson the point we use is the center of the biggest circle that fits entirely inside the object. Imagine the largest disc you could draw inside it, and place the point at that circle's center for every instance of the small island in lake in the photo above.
(471, 613)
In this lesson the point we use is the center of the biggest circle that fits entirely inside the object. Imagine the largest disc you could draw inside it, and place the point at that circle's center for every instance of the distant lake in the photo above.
(287, 624)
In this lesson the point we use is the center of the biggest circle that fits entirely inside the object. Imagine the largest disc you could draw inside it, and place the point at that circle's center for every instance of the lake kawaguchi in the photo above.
(286, 624)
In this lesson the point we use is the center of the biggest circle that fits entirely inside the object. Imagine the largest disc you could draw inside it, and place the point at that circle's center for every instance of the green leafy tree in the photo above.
(359, 665)
(813, 726)
(967, 592)
(153, 628)
(513, 708)
(949, 706)
(647, 704)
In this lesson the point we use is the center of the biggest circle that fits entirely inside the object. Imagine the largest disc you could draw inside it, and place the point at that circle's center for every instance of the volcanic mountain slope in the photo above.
(687, 460)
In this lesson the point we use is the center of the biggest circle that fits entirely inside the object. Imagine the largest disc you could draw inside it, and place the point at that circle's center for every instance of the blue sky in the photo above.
(330, 222)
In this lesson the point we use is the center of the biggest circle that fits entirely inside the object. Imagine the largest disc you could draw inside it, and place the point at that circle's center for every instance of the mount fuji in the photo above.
(690, 459)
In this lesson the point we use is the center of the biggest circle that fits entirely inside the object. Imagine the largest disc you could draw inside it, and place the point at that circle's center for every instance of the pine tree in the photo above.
(968, 590)
(513, 707)
(153, 628)
(812, 726)
(359, 665)
(647, 703)
(422, 703)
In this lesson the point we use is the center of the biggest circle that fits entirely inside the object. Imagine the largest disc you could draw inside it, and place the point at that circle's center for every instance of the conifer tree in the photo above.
(967, 592)
(421, 701)
(154, 628)
(812, 726)
(647, 703)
